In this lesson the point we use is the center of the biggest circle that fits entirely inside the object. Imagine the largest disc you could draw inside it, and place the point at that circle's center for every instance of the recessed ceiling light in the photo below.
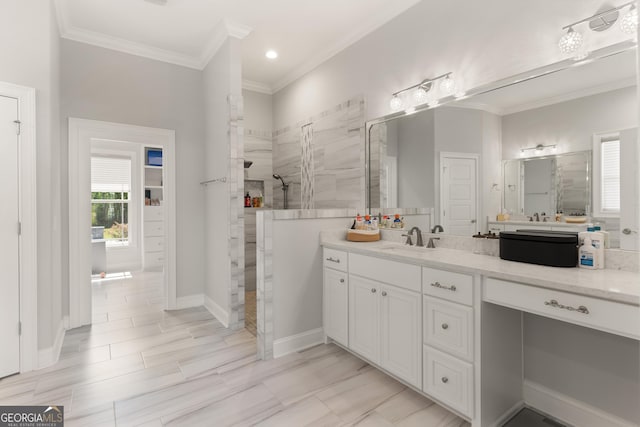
(271, 54)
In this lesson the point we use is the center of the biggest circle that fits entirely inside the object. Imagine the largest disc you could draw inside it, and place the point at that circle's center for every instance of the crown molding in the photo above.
(367, 27)
(255, 86)
(224, 29)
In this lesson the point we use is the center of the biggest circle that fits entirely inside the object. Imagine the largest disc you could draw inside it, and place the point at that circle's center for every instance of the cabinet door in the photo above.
(363, 317)
(336, 298)
(400, 333)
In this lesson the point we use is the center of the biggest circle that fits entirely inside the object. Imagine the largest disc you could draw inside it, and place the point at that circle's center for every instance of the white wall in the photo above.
(222, 81)
(571, 124)
(102, 84)
(433, 38)
(258, 110)
(30, 57)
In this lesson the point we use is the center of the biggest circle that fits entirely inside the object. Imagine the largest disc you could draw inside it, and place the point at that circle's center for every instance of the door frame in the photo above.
(453, 155)
(28, 251)
(81, 132)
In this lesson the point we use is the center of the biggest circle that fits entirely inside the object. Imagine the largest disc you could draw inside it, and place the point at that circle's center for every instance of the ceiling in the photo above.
(188, 32)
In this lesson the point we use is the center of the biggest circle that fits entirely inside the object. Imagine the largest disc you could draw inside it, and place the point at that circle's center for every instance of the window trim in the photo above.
(596, 175)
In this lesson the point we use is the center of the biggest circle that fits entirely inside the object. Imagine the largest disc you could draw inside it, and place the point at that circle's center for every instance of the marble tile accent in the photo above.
(338, 157)
(307, 167)
(264, 283)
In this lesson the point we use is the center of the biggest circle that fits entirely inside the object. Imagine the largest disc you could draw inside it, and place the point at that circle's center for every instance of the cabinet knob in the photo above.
(384, 293)
(341, 280)
(445, 326)
(373, 290)
(445, 380)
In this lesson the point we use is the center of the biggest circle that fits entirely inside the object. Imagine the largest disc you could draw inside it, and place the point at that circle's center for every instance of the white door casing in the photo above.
(9, 250)
(459, 211)
(81, 133)
(24, 156)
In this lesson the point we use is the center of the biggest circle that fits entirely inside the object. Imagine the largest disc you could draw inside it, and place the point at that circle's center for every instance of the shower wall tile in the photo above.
(338, 152)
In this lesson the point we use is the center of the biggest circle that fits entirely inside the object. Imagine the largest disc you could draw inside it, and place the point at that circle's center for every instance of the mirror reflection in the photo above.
(548, 185)
(535, 147)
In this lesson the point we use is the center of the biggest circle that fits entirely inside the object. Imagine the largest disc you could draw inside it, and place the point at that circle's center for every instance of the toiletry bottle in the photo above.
(605, 234)
(385, 222)
(367, 222)
(396, 222)
(247, 200)
(597, 241)
(359, 224)
(587, 255)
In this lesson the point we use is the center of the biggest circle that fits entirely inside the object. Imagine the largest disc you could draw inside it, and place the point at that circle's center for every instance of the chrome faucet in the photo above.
(536, 216)
(419, 241)
(437, 228)
(431, 244)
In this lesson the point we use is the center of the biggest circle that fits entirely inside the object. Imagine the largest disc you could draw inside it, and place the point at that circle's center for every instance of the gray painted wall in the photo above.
(570, 124)
(31, 57)
(102, 84)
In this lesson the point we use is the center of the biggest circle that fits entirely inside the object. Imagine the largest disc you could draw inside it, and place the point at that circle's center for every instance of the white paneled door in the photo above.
(459, 204)
(9, 250)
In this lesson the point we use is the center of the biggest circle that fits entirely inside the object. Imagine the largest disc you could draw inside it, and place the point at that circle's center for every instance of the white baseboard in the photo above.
(189, 301)
(293, 343)
(217, 311)
(50, 355)
(567, 409)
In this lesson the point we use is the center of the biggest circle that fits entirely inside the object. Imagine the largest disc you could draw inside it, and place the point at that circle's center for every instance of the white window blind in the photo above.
(110, 175)
(610, 175)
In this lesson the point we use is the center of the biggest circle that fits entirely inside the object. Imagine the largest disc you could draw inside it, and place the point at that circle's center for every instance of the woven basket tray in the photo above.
(363, 235)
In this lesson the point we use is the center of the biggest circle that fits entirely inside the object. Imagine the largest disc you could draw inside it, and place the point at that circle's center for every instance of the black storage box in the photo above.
(552, 248)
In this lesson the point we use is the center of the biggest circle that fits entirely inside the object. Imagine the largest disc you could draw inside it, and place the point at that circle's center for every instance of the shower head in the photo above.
(276, 176)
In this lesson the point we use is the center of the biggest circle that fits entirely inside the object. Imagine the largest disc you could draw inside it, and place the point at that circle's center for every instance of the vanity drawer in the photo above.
(609, 316)
(449, 380)
(153, 244)
(335, 259)
(448, 326)
(153, 228)
(448, 285)
(153, 213)
(153, 260)
(383, 270)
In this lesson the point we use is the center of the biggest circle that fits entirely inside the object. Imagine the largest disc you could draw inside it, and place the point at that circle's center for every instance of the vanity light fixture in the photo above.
(422, 93)
(538, 149)
(572, 41)
(629, 22)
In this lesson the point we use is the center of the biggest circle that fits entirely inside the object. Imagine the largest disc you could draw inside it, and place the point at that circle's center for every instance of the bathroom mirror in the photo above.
(561, 107)
(548, 184)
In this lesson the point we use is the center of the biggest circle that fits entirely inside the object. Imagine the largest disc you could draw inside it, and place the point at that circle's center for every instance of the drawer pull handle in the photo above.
(451, 288)
(581, 309)
(341, 280)
(373, 290)
(384, 293)
(445, 326)
(445, 380)
(337, 261)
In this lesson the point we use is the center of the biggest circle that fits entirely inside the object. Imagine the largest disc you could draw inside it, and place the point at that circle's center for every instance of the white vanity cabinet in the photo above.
(336, 296)
(448, 338)
(385, 320)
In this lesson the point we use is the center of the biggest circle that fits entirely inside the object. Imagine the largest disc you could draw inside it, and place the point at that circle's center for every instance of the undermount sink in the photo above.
(404, 247)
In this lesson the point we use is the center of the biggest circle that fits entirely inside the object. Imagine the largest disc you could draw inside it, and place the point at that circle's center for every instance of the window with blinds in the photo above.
(110, 197)
(610, 175)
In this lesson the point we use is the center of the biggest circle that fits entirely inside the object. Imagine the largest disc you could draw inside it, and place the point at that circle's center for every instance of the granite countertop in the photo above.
(612, 285)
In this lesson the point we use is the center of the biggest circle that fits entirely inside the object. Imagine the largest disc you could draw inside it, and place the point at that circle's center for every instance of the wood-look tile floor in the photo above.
(250, 315)
(140, 365)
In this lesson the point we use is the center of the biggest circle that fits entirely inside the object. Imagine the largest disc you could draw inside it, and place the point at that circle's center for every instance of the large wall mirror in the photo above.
(537, 141)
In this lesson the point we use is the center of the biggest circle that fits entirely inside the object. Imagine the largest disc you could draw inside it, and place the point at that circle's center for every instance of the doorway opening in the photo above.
(125, 176)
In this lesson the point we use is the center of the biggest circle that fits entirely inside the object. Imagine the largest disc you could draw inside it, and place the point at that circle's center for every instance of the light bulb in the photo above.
(271, 54)
(629, 22)
(420, 96)
(396, 103)
(448, 86)
(570, 42)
